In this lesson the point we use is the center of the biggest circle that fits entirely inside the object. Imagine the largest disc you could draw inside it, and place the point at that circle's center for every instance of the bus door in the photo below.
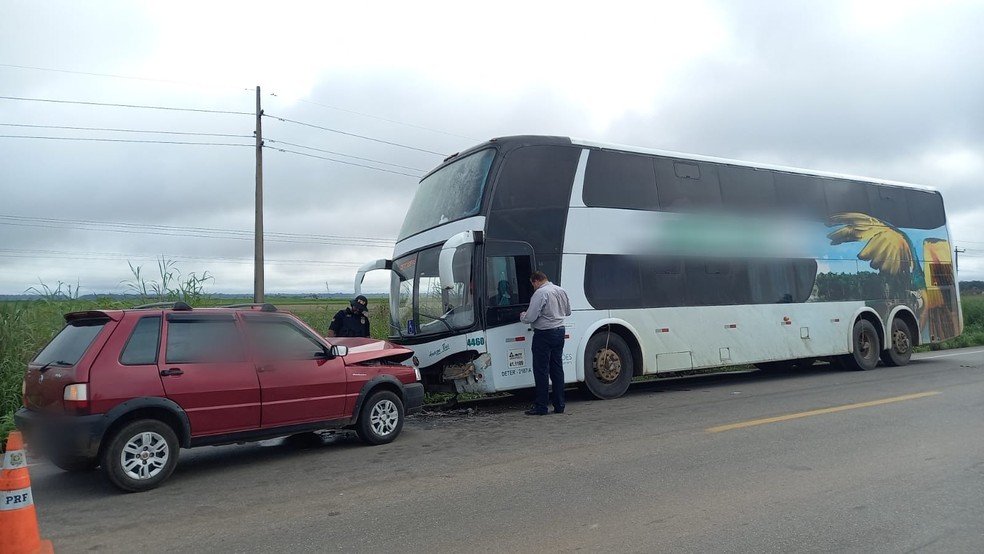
(507, 292)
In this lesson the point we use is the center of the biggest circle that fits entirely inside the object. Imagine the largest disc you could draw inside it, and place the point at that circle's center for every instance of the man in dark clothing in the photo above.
(352, 321)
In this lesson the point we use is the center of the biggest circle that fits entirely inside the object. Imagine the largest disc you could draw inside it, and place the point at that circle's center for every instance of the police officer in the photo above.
(352, 321)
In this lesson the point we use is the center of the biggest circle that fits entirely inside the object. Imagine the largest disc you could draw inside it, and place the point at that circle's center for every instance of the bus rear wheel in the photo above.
(866, 348)
(608, 366)
(900, 350)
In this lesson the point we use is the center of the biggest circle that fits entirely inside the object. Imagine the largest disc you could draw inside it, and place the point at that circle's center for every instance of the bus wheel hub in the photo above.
(607, 365)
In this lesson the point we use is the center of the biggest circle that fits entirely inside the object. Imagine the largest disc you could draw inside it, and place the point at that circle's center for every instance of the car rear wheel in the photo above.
(141, 455)
(381, 418)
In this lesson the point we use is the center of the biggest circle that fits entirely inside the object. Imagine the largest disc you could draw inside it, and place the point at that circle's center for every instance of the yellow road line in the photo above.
(787, 417)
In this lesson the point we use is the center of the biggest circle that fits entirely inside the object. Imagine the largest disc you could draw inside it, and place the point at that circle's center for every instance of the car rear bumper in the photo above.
(413, 397)
(61, 436)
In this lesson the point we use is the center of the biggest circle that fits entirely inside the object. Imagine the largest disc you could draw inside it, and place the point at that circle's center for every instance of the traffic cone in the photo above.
(18, 520)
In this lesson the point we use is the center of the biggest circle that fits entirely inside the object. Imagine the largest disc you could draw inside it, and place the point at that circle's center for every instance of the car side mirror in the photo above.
(338, 350)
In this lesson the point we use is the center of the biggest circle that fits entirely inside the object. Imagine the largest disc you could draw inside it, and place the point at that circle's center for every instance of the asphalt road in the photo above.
(890, 460)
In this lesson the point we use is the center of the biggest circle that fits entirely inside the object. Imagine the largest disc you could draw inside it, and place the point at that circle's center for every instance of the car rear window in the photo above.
(71, 342)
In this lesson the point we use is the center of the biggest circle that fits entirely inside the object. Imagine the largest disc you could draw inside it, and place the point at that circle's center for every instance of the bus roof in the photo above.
(510, 142)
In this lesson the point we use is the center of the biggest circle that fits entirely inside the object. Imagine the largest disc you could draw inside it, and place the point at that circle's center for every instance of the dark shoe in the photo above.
(534, 412)
(560, 411)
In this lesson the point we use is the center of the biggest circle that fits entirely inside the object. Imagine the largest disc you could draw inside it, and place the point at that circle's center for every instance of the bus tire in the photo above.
(866, 348)
(900, 350)
(608, 366)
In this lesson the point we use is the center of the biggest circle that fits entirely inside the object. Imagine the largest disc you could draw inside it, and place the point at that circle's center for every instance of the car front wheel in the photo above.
(381, 418)
(141, 455)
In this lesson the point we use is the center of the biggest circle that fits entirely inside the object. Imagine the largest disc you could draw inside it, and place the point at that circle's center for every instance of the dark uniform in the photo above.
(352, 321)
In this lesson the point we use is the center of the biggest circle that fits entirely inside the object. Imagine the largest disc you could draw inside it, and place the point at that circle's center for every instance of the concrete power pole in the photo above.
(956, 259)
(258, 232)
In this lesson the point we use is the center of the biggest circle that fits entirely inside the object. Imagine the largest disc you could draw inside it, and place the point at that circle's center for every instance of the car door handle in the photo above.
(172, 371)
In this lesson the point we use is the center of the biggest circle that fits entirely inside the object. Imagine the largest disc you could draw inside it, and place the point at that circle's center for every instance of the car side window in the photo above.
(142, 346)
(203, 340)
(281, 339)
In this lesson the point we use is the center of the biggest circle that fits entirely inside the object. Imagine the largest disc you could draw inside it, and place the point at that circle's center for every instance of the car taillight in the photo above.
(77, 398)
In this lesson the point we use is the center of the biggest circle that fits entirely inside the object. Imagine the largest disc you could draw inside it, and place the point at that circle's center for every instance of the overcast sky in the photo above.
(888, 89)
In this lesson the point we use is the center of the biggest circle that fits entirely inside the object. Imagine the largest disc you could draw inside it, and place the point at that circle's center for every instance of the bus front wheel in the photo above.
(866, 348)
(608, 366)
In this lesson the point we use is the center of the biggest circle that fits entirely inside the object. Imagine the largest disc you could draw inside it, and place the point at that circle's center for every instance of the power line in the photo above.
(81, 255)
(123, 130)
(138, 106)
(91, 74)
(284, 119)
(341, 161)
(378, 118)
(94, 139)
(198, 232)
(340, 154)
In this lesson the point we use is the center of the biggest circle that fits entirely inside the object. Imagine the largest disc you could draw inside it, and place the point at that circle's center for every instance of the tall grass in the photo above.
(25, 327)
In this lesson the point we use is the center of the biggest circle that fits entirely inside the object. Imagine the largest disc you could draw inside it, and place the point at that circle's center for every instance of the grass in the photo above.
(26, 326)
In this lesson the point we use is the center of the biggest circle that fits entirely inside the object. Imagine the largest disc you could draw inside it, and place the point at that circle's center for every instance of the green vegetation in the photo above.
(973, 333)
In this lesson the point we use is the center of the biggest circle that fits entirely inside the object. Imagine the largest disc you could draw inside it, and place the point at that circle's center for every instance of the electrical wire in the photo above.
(285, 120)
(342, 161)
(81, 255)
(91, 74)
(198, 232)
(122, 130)
(340, 154)
(378, 118)
(93, 139)
(138, 106)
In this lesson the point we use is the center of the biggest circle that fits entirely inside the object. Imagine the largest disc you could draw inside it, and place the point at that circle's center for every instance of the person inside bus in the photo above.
(504, 295)
(352, 321)
(548, 307)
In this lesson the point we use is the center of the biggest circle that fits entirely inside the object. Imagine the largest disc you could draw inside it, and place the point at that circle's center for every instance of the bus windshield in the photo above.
(420, 306)
(451, 193)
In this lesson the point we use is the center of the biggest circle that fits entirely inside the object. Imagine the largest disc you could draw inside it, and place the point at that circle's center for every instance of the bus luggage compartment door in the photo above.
(674, 361)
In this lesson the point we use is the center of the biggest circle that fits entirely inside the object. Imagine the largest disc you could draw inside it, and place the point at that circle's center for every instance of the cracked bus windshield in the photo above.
(453, 192)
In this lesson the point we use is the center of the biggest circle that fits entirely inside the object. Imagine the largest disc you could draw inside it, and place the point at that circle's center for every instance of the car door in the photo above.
(299, 382)
(205, 370)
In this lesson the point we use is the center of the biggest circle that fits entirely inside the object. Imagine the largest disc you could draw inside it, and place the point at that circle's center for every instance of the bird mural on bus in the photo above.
(928, 279)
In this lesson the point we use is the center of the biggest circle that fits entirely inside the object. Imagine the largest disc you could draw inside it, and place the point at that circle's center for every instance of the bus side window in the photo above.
(686, 186)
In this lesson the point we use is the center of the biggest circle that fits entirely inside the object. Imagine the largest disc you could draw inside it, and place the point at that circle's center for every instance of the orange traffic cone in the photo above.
(18, 521)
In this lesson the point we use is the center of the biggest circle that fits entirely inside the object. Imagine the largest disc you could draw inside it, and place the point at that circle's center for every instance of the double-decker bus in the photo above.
(672, 262)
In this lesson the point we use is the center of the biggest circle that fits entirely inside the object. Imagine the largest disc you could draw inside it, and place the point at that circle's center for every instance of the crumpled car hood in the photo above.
(363, 349)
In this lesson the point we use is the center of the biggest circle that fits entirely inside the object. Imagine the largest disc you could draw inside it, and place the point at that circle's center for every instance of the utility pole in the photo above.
(956, 259)
(258, 232)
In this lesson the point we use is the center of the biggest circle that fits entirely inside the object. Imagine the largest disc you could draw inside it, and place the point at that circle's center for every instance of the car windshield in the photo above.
(451, 193)
(419, 306)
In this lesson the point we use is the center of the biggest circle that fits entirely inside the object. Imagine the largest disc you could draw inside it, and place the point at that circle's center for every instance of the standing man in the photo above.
(548, 307)
(352, 321)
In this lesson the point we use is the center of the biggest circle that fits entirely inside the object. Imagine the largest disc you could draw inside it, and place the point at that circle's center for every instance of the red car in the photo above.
(125, 389)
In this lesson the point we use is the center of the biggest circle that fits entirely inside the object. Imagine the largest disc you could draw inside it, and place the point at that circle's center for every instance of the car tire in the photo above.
(608, 366)
(381, 418)
(141, 455)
